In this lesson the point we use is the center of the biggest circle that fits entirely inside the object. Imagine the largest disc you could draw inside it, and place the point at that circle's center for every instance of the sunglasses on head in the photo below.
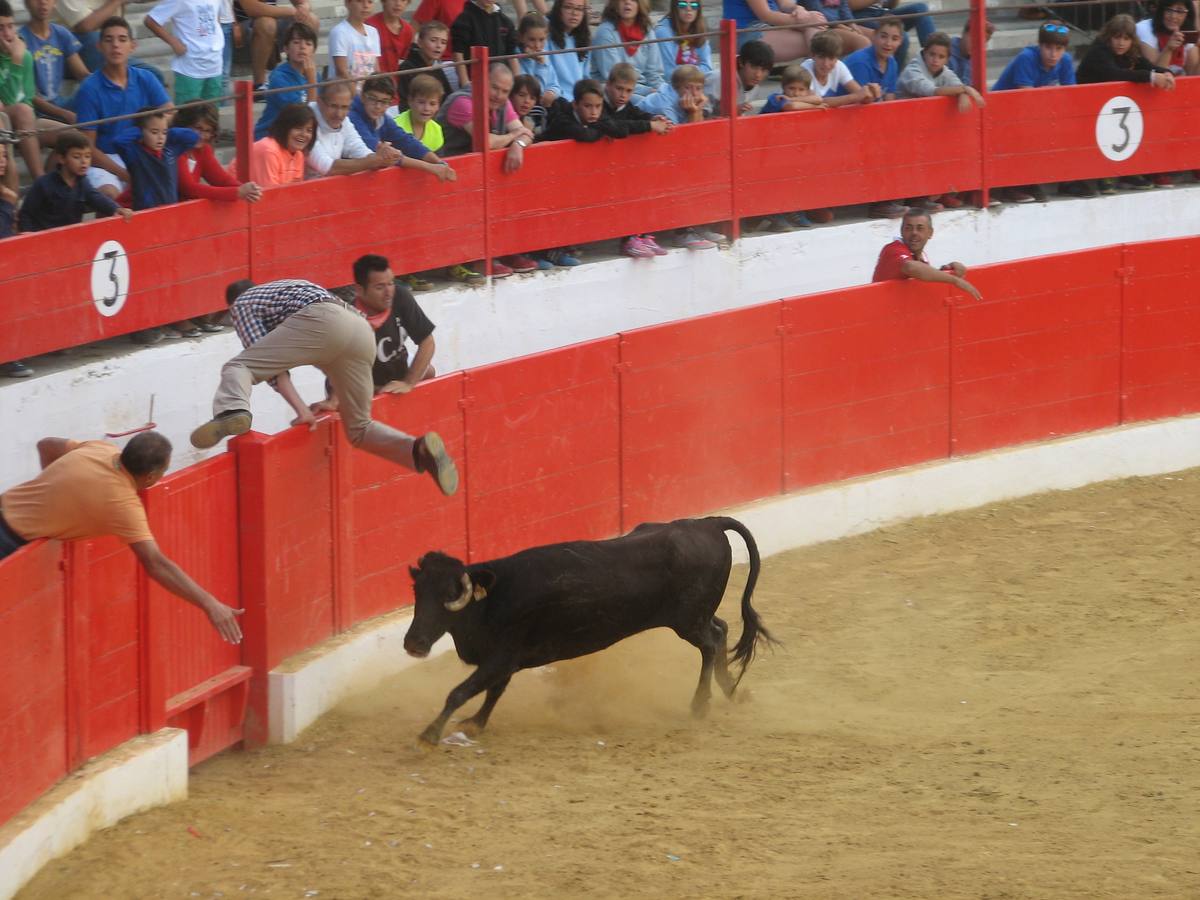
(688, 4)
(1056, 29)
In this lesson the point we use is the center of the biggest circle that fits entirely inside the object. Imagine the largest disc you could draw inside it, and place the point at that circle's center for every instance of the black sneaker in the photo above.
(226, 424)
(429, 454)
(15, 369)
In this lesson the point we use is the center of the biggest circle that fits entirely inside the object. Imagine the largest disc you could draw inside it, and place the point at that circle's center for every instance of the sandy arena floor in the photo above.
(996, 704)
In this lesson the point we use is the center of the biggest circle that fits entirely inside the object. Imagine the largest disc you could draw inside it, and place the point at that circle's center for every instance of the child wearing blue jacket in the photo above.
(683, 18)
(628, 21)
(373, 126)
(569, 30)
(532, 33)
(150, 151)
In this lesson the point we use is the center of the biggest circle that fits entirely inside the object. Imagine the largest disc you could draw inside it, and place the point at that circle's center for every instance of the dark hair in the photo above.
(302, 31)
(146, 113)
(6, 9)
(759, 54)
(612, 13)
(115, 22)
(70, 140)
(381, 84)
(1158, 22)
(293, 115)
(190, 116)
(558, 31)
(888, 22)
(697, 26)
(235, 289)
(365, 265)
(529, 84)
(146, 452)
(586, 86)
(530, 21)
(937, 39)
(1054, 31)
(826, 44)
(1124, 26)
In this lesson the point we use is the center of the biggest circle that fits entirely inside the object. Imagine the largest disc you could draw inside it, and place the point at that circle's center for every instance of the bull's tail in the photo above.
(753, 629)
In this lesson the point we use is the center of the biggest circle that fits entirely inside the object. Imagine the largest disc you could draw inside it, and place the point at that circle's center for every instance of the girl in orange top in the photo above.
(279, 157)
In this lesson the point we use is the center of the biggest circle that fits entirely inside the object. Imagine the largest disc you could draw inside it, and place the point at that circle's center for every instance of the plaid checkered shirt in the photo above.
(258, 311)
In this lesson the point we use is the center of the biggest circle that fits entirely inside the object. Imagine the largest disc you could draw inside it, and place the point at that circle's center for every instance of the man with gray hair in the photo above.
(339, 149)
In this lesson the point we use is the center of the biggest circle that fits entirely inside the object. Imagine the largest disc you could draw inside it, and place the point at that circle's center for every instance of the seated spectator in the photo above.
(867, 11)
(279, 158)
(354, 46)
(55, 54)
(62, 197)
(445, 12)
(796, 25)
(680, 101)
(197, 42)
(841, 19)
(300, 69)
(505, 132)
(797, 96)
(481, 24)
(875, 69)
(85, 19)
(1048, 64)
(116, 89)
(395, 34)
(425, 97)
(683, 18)
(960, 53)
(526, 98)
(755, 60)
(1116, 55)
(832, 81)
(628, 22)
(532, 34)
(201, 176)
(9, 177)
(428, 50)
(568, 29)
(266, 21)
(367, 116)
(338, 150)
(8, 198)
(1164, 37)
(905, 257)
(17, 88)
(582, 119)
(618, 94)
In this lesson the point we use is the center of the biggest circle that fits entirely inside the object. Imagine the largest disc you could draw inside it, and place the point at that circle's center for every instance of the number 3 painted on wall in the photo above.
(110, 278)
(1119, 128)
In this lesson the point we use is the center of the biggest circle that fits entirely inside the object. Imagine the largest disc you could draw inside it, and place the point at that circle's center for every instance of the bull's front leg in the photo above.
(474, 725)
(481, 679)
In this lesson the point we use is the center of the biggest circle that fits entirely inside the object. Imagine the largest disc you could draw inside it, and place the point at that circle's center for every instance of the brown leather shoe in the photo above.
(429, 454)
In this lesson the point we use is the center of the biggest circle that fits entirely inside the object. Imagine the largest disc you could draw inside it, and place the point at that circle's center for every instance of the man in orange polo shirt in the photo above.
(90, 489)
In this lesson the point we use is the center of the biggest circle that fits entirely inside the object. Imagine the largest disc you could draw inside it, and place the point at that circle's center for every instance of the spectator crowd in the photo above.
(387, 94)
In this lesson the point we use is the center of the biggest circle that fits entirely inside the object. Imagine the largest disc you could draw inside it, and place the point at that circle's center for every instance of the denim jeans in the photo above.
(924, 24)
(227, 64)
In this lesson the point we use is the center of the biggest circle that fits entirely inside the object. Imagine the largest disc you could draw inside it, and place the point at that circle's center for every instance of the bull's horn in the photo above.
(464, 598)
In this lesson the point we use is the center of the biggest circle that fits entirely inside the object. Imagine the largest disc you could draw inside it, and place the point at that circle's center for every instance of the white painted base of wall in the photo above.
(310, 684)
(148, 771)
(531, 313)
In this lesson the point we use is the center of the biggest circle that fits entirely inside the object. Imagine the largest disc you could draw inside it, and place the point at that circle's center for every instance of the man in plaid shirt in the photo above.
(284, 324)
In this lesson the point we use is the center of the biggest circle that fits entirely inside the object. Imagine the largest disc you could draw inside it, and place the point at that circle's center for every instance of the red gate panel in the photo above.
(866, 381)
(700, 414)
(317, 229)
(33, 670)
(389, 516)
(571, 193)
(1161, 337)
(179, 260)
(804, 160)
(543, 443)
(1040, 356)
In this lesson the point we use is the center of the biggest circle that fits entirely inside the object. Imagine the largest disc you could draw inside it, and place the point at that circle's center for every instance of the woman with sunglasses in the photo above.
(569, 30)
(683, 18)
(1163, 38)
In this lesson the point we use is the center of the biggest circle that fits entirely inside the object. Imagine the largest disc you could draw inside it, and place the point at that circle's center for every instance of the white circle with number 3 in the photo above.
(1119, 128)
(110, 278)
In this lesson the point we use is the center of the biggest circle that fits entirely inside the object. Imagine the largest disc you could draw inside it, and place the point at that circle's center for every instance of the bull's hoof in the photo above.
(699, 709)
(429, 738)
(470, 728)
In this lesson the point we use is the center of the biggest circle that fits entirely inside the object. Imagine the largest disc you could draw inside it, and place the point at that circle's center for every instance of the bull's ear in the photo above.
(413, 572)
(484, 580)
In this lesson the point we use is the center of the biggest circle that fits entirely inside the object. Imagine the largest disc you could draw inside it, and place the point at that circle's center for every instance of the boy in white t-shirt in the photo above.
(198, 42)
(831, 79)
(354, 46)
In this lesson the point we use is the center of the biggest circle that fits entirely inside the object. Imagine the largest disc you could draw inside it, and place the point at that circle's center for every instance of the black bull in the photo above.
(567, 600)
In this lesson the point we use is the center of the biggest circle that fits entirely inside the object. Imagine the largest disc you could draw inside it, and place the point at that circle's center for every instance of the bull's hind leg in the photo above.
(707, 640)
(721, 667)
(478, 722)
(481, 679)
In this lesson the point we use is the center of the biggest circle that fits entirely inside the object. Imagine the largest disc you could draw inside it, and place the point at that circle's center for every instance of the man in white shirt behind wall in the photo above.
(338, 149)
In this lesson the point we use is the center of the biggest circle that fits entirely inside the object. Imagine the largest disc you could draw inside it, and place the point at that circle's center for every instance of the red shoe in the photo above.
(820, 216)
(1162, 180)
(500, 270)
(520, 263)
(950, 201)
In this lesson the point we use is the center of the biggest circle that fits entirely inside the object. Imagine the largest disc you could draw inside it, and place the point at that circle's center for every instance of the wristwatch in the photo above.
(520, 143)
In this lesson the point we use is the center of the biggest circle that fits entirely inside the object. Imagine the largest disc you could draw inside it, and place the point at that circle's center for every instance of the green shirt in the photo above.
(16, 82)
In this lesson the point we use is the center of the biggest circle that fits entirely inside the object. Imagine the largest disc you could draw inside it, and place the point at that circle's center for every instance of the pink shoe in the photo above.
(652, 245)
(636, 247)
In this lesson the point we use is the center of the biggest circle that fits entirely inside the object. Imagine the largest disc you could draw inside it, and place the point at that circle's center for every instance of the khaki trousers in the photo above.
(342, 345)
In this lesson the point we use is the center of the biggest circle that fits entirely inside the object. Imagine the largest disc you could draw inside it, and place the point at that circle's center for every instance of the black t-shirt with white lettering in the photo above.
(407, 320)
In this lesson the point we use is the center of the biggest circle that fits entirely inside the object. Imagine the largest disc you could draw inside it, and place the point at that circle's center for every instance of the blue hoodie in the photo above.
(385, 130)
(154, 178)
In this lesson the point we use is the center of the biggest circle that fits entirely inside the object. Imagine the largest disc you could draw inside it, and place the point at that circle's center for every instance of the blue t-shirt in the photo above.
(864, 67)
(50, 59)
(1026, 70)
(282, 76)
(959, 64)
(741, 13)
(99, 98)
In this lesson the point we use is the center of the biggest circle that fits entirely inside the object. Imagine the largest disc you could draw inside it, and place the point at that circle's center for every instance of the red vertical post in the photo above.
(243, 126)
(75, 647)
(152, 695)
(729, 109)
(341, 486)
(482, 127)
(252, 541)
(979, 77)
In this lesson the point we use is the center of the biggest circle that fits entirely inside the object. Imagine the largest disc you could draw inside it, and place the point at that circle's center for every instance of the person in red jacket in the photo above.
(395, 34)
